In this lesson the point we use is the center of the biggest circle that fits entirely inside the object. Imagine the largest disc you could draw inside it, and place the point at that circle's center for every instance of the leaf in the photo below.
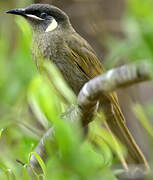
(25, 28)
(140, 113)
(1, 131)
(41, 162)
(57, 81)
(25, 174)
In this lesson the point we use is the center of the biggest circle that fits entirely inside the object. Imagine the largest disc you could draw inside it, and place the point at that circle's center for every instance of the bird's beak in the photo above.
(17, 12)
(22, 12)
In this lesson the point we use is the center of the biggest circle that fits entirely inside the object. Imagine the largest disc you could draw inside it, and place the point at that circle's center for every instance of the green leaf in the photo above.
(25, 28)
(140, 113)
(25, 174)
(57, 81)
(1, 131)
(41, 162)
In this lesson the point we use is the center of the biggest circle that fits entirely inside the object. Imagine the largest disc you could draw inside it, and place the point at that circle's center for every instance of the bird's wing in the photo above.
(84, 56)
(86, 59)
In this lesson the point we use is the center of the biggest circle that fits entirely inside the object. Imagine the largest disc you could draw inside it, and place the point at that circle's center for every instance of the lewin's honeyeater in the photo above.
(55, 39)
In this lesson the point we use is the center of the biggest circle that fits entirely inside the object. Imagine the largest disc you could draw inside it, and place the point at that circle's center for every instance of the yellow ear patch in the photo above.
(52, 26)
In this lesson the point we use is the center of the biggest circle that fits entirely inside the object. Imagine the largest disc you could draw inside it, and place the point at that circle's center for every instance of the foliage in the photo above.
(137, 27)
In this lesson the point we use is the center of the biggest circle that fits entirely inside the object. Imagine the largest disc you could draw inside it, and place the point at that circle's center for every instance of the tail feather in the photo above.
(116, 124)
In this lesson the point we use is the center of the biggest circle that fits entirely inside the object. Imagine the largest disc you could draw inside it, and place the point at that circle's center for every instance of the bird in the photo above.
(55, 40)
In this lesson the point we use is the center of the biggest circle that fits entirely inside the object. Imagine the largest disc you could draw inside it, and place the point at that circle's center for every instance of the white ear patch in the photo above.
(52, 25)
(34, 17)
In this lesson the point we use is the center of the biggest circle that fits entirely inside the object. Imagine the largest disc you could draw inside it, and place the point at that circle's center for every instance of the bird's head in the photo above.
(43, 17)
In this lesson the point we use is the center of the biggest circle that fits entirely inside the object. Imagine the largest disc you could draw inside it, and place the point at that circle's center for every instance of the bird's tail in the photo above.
(116, 124)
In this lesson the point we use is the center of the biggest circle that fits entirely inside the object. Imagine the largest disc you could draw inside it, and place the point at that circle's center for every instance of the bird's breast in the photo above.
(55, 50)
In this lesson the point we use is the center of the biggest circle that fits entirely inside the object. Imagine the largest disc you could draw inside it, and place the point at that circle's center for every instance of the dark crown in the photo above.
(37, 9)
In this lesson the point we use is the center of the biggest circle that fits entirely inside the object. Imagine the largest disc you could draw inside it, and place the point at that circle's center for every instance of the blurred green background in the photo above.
(120, 32)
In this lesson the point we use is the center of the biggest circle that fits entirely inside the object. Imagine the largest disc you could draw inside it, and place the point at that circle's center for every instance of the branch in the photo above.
(108, 82)
(89, 95)
(41, 151)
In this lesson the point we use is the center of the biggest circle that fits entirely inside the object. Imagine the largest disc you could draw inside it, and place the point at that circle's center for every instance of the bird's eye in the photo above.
(43, 15)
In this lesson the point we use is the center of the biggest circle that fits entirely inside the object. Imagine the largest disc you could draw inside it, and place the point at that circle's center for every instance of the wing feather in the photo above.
(86, 58)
